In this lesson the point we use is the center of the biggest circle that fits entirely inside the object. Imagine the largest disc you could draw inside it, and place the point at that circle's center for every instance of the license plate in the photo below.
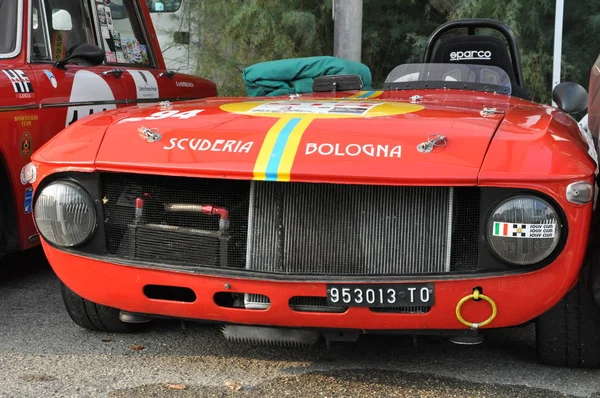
(381, 295)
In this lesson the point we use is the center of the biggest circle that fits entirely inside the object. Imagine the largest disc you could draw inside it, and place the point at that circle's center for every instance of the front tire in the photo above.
(92, 316)
(569, 333)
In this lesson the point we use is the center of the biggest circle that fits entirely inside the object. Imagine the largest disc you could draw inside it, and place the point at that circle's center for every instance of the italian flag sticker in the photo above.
(511, 230)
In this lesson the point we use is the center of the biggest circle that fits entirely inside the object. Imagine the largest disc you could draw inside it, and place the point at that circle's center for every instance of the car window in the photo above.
(57, 27)
(122, 33)
(8, 20)
(163, 5)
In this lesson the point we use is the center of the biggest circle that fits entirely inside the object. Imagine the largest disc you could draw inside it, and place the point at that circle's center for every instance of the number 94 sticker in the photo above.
(165, 115)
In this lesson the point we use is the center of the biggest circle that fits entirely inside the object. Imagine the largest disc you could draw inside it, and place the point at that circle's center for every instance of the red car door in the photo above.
(131, 45)
(77, 90)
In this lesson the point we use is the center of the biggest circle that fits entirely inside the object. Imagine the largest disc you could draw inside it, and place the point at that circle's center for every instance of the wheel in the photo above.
(94, 316)
(569, 333)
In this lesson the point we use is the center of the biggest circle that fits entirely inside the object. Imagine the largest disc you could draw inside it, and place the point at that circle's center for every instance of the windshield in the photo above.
(9, 20)
(452, 76)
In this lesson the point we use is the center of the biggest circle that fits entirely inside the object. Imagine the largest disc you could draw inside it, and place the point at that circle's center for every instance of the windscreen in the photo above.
(451, 76)
(8, 26)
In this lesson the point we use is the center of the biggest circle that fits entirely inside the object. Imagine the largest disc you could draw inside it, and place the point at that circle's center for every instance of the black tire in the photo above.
(94, 316)
(569, 333)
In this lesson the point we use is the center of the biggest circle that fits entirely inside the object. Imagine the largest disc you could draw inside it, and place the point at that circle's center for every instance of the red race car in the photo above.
(445, 203)
(62, 60)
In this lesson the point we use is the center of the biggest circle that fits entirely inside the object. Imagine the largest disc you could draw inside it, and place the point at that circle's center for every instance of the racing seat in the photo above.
(478, 50)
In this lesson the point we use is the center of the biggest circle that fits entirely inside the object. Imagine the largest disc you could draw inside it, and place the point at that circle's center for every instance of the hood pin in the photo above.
(433, 141)
(486, 112)
(165, 105)
(150, 135)
(415, 98)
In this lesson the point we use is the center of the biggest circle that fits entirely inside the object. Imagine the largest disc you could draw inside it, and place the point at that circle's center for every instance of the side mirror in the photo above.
(570, 97)
(89, 53)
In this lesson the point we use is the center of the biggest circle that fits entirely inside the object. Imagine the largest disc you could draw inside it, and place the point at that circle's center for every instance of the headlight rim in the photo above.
(564, 232)
(74, 183)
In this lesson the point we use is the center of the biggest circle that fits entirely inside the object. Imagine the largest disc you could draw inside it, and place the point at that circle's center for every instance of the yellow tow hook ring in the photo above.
(476, 296)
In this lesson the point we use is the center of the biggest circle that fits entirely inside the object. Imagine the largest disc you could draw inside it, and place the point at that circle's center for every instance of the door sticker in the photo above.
(51, 78)
(20, 82)
(146, 86)
(89, 87)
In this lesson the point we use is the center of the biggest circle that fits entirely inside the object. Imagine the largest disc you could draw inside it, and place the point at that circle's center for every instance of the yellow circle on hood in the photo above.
(315, 109)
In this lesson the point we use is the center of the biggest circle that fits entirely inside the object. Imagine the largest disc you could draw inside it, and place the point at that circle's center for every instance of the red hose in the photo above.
(215, 210)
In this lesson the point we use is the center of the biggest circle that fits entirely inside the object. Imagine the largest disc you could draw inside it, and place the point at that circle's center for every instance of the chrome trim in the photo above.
(19, 38)
(96, 28)
(449, 228)
(117, 72)
(18, 108)
(34, 238)
(152, 60)
(44, 18)
(133, 101)
(29, 18)
(87, 103)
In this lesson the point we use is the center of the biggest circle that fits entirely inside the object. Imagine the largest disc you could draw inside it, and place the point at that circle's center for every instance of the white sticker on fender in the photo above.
(146, 85)
(519, 230)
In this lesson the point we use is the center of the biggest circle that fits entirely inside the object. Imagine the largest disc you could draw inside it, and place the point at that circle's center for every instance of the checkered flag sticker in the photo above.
(511, 230)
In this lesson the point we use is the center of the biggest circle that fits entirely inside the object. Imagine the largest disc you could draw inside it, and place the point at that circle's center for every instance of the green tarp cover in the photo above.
(296, 75)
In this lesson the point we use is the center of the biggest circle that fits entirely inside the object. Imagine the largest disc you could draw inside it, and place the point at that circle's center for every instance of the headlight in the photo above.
(65, 214)
(524, 230)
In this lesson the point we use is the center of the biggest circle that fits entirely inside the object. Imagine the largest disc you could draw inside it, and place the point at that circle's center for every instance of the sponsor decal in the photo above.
(146, 85)
(165, 115)
(25, 145)
(371, 150)
(282, 142)
(26, 120)
(184, 84)
(58, 38)
(20, 82)
(200, 144)
(511, 230)
(316, 108)
(343, 109)
(482, 55)
(51, 78)
(28, 200)
(88, 86)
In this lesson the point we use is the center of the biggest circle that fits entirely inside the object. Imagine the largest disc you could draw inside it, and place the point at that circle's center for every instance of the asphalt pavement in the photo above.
(44, 354)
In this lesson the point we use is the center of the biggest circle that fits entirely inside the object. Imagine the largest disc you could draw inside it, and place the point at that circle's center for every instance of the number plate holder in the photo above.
(381, 295)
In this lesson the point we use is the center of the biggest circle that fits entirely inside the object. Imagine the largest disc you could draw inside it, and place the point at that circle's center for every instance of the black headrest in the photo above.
(475, 49)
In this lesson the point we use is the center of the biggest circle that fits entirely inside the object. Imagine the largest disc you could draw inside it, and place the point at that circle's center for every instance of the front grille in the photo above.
(349, 229)
(291, 228)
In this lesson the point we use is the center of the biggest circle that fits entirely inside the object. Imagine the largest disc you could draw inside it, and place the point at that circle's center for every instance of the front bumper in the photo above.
(519, 297)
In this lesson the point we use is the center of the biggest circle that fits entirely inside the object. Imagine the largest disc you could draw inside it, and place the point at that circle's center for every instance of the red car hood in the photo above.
(321, 140)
